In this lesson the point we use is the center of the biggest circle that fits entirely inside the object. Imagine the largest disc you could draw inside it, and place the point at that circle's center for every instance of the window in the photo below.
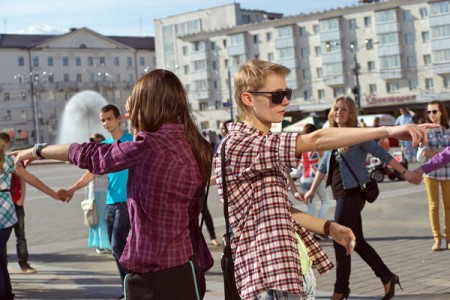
(440, 31)
(407, 17)
(23, 114)
(218, 104)
(321, 94)
(409, 38)
(388, 38)
(318, 50)
(306, 74)
(199, 65)
(246, 19)
(333, 69)
(203, 105)
(390, 61)
(439, 8)
(429, 83)
(214, 65)
(90, 61)
(316, 28)
(65, 61)
(332, 46)
(116, 61)
(6, 97)
(268, 36)
(213, 45)
(319, 72)
(386, 16)
(215, 84)
(371, 65)
(285, 31)
(185, 50)
(117, 77)
(224, 43)
(101, 60)
(270, 57)
(411, 62)
(367, 21)
(369, 44)
(129, 62)
(23, 96)
(66, 77)
(79, 79)
(255, 39)
(302, 31)
(392, 87)
(412, 83)
(21, 61)
(372, 88)
(50, 61)
(142, 61)
(446, 79)
(423, 12)
(352, 24)
(35, 61)
(427, 59)
(78, 61)
(304, 52)
(425, 36)
(306, 95)
(329, 25)
(51, 78)
(286, 52)
(339, 91)
(131, 77)
(200, 85)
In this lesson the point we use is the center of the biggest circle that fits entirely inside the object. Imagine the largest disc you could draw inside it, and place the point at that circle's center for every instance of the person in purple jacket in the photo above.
(169, 164)
(436, 162)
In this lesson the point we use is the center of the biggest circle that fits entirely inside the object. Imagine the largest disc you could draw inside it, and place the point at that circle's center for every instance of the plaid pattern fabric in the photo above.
(164, 191)
(437, 140)
(264, 245)
(7, 211)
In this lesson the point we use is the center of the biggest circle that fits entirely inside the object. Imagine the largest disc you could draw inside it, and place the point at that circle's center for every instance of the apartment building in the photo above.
(40, 73)
(385, 54)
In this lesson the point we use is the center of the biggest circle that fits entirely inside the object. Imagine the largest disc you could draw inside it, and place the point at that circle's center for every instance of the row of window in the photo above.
(77, 61)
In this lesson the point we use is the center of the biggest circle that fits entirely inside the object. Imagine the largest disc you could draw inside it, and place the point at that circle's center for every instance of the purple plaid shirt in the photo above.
(164, 190)
(264, 245)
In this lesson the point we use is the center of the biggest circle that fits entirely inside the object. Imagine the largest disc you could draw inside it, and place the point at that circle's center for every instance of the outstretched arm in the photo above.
(58, 152)
(332, 138)
(84, 180)
(37, 183)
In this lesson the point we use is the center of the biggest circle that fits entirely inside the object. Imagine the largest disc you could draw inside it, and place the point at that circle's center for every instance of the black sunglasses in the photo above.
(432, 112)
(278, 96)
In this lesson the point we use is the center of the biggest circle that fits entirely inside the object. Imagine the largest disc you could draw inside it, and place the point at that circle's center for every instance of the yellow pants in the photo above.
(432, 186)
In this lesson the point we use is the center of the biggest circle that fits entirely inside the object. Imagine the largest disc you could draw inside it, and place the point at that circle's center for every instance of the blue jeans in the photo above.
(321, 192)
(118, 222)
(348, 213)
(5, 281)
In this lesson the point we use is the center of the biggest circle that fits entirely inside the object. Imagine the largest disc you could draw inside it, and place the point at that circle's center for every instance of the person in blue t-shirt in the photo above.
(117, 218)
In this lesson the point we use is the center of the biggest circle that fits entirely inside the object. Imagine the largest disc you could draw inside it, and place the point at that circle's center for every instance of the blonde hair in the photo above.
(352, 118)
(251, 77)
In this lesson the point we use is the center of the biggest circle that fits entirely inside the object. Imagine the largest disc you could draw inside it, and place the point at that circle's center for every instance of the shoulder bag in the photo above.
(226, 261)
(177, 282)
(90, 212)
(370, 189)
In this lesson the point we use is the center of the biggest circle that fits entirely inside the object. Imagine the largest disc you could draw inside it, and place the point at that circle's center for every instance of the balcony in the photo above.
(236, 50)
(394, 73)
(288, 62)
(388, 50)
(199, 55)
(199, 95)
(441, 68)
(331, 80)
(332, 57)
(439, 20)
(199, 75)
(387, 27)
(284, 42)
(332, 35)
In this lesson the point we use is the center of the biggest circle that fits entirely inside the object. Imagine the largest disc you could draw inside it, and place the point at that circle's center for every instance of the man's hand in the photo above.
(22, 156)
(412, 132)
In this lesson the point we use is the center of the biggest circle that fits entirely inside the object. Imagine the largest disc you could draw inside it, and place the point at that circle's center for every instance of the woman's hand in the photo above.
(411, 132)
(343, 236)
(25, 156)
(308, 196)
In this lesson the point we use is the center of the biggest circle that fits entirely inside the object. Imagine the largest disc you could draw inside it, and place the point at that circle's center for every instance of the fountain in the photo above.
(81, 118)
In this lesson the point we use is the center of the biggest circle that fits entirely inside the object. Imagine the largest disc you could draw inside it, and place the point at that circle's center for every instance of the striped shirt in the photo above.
(264, 245)
(438, 139)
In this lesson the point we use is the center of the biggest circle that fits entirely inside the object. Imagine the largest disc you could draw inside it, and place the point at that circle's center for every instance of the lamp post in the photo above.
(356, 90)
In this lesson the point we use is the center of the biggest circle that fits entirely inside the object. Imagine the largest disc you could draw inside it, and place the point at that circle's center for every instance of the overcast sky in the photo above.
(127, 17)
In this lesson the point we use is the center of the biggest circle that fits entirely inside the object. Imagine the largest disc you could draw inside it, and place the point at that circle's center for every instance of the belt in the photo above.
(4, 191)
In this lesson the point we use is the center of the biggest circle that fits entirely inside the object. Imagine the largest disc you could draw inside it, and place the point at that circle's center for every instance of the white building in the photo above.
(44, 71)
(396, 52)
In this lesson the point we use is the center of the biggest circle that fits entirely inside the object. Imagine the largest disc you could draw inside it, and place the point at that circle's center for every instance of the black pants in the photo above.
(21, 241)
(209, 224)
(348, 213)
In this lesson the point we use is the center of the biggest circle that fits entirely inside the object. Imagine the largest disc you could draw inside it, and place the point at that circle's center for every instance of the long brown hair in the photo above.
(444, 116)
(159, 98)
(352, 118)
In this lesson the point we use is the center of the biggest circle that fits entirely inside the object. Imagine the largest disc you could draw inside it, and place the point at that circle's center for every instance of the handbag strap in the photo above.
(351, 170)
(225, 193)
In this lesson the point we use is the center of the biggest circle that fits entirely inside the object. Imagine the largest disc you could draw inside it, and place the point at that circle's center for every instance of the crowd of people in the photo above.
(149, 217)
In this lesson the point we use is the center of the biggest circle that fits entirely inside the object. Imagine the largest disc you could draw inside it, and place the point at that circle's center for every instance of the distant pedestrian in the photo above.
(362, 123)
(406, 117)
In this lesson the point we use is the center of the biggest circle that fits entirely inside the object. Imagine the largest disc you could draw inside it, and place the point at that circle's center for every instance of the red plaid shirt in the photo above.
(264, 245)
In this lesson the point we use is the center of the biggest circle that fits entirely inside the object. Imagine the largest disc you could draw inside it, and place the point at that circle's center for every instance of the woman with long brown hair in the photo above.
(439, 138)
(350, 199)
(169, 165)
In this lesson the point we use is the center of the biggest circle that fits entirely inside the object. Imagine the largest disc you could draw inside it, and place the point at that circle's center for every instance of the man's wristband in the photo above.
(36, 152)
(326, 227)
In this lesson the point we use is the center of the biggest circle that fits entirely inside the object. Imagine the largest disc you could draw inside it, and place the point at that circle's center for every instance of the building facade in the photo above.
(385, 54)
(40, 73)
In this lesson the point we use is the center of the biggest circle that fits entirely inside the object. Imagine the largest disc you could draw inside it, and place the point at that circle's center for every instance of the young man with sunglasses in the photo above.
(272, 249)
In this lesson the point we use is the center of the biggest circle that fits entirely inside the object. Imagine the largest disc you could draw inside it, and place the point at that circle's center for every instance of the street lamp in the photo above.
(356, 90)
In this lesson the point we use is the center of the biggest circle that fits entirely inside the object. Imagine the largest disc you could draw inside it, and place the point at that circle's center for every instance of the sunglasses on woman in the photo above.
(432, 112)
(277, 96)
